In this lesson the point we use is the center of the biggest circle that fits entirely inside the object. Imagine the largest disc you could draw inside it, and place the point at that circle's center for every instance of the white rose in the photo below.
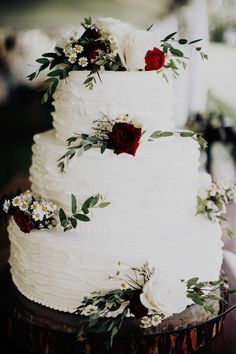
(205, 184)
(136, 45)
(117, 29)
(165, 295)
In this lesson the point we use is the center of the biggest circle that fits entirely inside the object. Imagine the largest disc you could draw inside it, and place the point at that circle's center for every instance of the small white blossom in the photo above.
(146, 322)
(38, 214)
(79, 48)
(72, 58)
(89, 310)
(156, 320)
(23, 205)
(83, 62)
(123, 285)
(16, 201)
(6, 205)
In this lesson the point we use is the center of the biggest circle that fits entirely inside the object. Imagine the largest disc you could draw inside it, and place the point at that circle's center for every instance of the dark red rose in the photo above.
(94, 53)
(154, 59)
(22, 221)
(136, 307)
(91, 33)
(124, 138)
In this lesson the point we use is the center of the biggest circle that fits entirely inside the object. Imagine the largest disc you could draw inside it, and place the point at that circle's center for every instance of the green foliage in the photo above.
(178, 58)
(70, 222)
(184, 134)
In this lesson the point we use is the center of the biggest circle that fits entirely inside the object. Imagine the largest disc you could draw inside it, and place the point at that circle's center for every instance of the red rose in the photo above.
(154, 59)
(124, 138)
(136, 307)
(22, 221)
(94, 53)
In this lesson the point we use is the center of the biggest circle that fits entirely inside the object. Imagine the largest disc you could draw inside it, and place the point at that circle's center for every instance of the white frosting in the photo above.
(57, 269)
(161, 180)
(153, 197)
(145, 95)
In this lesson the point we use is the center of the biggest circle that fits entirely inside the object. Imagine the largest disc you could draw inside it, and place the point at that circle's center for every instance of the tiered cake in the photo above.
(151, 217)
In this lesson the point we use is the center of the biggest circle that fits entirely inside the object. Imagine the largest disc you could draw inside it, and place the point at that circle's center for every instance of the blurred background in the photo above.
(205, 91)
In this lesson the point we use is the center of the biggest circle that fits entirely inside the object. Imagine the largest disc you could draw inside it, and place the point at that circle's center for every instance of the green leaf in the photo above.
(148, 29)
(195, 41)
(31, 76)
(45, 98)
(73, 222)
(43, 61)
(198, 48)
(104, 204)
(87, 147)
(82, 217)
(166, 134)
(62, 215)
(168, 37)
(59, 50)
(182, 41)
(56, 72)
(176, 52)
(228, 232)
(50, 55)
(156, 134)
(186, 134)
(103, 147)
(73, 204)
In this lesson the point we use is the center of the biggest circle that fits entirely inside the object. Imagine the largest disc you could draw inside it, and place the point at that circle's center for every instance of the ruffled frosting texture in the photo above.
(153, 197)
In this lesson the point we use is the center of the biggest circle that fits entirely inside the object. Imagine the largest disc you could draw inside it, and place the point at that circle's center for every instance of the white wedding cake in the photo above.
(152, 212)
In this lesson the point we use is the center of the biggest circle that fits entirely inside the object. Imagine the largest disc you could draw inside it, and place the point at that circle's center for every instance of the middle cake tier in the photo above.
(145, 190)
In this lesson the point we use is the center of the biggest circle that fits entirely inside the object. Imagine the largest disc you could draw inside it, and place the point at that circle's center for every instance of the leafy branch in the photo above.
(81, 214)
(175, 55)
(202, 291)
(185, 134)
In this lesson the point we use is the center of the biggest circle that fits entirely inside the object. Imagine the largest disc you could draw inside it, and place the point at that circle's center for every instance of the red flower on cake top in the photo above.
(154, 59)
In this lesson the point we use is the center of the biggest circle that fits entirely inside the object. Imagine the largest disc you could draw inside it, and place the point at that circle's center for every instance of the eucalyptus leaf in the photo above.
(168, 37)
(73, 204)
(82, 217)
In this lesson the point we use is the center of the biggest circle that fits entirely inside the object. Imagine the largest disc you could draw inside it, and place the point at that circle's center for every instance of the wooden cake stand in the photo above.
(36, 329)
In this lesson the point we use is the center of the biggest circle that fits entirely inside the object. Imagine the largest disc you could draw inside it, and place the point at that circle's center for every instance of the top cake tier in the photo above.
(145, 96)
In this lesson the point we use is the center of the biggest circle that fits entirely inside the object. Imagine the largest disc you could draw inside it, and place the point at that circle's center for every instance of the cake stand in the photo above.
(40, 330)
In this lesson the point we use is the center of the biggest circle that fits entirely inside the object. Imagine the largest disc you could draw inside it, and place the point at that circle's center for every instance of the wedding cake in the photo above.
(148, 185)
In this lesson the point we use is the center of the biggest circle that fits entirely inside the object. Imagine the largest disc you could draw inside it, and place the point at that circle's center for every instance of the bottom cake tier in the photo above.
(58, 269)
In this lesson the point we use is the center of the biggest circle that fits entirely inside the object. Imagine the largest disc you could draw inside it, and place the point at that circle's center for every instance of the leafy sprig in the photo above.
(184, 134)
(176, 56)
(68, 222)
(202, 291)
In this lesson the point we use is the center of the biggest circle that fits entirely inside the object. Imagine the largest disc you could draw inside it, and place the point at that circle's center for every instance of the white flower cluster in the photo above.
(89, 310)
(38, 210)
(151, 321)
(213, 198)
(71, 51)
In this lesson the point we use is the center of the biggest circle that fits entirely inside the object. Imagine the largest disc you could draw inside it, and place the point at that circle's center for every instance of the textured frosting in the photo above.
(161, 180)
(57, 269)
(153, 197)
(151, 218)
(144, 95)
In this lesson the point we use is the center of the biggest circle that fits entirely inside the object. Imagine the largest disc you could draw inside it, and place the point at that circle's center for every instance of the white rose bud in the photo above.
(136, 46)
(165, 295)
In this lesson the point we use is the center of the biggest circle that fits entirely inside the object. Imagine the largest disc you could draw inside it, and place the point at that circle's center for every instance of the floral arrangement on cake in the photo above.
(213, 198)
(145, 294)
(121, 134)
(30, 212)
(112, 45)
